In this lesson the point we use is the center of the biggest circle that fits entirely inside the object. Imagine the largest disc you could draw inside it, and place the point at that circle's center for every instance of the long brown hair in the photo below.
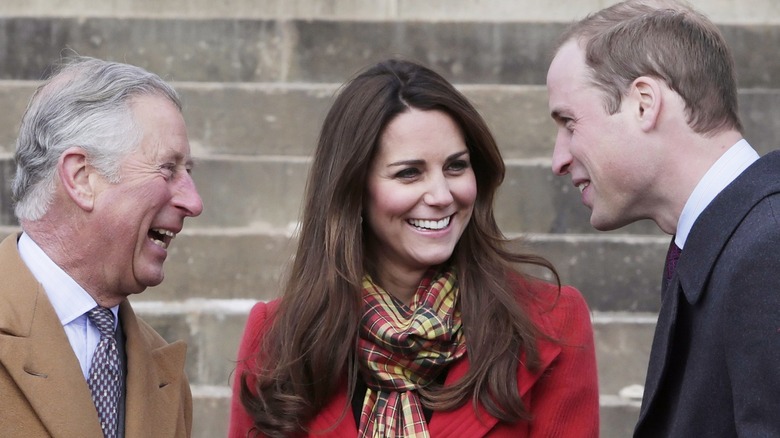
(310, 348)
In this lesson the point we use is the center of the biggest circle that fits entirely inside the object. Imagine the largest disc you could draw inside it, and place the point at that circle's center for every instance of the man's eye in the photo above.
(168, 169)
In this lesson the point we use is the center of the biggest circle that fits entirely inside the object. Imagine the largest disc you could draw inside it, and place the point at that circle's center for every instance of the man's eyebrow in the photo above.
(178, 157)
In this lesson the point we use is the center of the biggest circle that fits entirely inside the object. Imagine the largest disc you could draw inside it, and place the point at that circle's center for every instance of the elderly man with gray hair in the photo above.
(102, 187)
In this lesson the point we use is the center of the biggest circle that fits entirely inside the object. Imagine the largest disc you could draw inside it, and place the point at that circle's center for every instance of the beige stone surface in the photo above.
(725, 11)
(258, 76)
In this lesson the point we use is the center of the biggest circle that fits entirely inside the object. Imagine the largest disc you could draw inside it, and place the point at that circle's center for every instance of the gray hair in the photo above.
(85, 103)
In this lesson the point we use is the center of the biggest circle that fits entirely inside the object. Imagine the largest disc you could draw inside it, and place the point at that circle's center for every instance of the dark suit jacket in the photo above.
(562, 396)
(42, 389)
(715, 363)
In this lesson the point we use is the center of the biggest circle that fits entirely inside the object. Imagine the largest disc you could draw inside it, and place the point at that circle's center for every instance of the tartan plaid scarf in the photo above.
(402, 348)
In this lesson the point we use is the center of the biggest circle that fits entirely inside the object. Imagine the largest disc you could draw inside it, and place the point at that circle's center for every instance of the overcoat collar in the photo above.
(36, 353)
(708, 237)
(720, 219)
(154, 381)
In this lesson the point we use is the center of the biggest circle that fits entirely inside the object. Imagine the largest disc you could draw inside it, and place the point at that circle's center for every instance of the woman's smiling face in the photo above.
(421, 190)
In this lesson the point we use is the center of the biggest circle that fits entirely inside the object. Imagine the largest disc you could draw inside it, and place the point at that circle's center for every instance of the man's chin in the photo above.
(605, 224)
(147, 281)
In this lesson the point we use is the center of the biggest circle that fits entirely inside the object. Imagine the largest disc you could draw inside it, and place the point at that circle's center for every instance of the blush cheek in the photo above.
(466, 192)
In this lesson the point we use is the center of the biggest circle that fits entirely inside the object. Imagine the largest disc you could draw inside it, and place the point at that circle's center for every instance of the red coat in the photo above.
(563, 396)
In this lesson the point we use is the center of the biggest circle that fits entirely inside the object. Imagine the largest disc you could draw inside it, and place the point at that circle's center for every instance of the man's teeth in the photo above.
(162, 243)
(164, 232)
(582, 186)
(430, 225)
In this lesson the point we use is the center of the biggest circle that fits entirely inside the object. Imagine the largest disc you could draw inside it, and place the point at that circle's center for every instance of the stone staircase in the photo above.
(257, 77)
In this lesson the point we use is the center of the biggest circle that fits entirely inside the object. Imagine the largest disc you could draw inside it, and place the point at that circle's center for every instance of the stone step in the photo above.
(722, 11)
(210, 411)
(212, 329)
(614, 272)
(618, 273)
(285, 119)
(321, 51)
(251, 119)
(266, 192)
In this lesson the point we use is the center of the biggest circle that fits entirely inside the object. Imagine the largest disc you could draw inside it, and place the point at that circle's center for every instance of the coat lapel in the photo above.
(336, 418)
(708, 236)
(662, 342)
(37, 355)
(465, 421)
(154, 380)
(712, 230)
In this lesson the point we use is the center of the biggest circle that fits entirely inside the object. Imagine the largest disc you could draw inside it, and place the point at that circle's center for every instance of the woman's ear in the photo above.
(74, 173)
(646, 100)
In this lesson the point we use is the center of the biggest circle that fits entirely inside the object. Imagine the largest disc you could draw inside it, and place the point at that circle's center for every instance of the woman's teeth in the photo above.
(430, 225)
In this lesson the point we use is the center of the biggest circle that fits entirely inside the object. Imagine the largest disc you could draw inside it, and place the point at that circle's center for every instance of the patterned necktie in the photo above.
(104, 374)
(671, 259)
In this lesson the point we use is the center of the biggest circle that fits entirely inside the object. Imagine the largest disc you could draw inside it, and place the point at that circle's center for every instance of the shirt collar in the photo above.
(728, 167)
(68, 298)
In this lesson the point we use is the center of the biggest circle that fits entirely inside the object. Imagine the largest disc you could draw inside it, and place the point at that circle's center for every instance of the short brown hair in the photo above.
(667, 40)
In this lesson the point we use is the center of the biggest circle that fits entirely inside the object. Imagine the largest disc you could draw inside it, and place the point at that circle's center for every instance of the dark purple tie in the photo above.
(671, 259)
(104, 374)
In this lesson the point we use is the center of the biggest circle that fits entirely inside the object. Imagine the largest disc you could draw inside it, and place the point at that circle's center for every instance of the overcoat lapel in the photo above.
(709, 235)
(153, 382)
(37, 355)
(662, 340)
(464, 421)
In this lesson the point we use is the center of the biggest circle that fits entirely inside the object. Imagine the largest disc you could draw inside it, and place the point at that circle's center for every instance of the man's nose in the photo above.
(187, 197)
(561, 158)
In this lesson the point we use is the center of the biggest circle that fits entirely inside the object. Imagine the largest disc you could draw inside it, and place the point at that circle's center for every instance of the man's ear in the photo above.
(74, 174)
(646, 100)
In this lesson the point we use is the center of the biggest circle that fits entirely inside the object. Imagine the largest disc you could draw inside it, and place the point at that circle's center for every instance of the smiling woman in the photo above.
(421, 192)
(403, 305)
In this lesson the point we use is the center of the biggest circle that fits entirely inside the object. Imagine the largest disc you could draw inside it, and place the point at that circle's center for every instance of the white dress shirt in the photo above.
(728, 167)
(70, 301)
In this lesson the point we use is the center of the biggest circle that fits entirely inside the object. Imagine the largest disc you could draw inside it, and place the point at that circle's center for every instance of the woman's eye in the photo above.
(407, 173)
(458, 165)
